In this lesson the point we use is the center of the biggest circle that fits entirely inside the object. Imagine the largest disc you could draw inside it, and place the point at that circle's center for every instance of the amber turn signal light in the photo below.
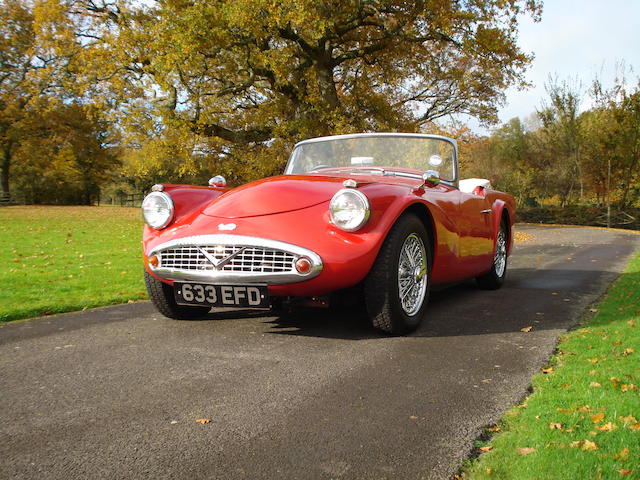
(153, 260)
(303, 265)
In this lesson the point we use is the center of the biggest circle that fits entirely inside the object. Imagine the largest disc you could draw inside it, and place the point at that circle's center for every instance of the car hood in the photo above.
(272, 195)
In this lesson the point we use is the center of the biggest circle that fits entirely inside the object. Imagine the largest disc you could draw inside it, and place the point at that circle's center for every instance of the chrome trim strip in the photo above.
(382, 134)
(219, 276)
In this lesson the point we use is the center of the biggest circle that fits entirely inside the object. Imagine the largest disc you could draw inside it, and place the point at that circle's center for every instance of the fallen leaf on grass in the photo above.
(597, 418)
(593, 310)
(547, 370)
(555, 426)
(594, 384)
(631, 323)
(607, 427)
(526, 329)
(203, 420)
(625, 471)
(526, 450)
(487, 448)
(623, 453)
(634, 426)
(629, 419)
(584, 445)
(583, 408)
(625, 388)
(494, 428)
(627, 351)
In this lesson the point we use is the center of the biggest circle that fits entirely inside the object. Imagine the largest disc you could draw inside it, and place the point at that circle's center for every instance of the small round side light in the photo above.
(153, 260)
(303, 265)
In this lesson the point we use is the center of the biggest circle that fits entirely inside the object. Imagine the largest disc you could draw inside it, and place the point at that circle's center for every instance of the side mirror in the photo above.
(217, 181)
(431, 177)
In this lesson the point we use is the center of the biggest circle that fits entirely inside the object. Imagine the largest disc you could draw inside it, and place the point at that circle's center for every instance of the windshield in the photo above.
(375, 153)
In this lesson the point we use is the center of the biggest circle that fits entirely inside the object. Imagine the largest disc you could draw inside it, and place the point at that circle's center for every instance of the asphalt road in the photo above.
(115, 392)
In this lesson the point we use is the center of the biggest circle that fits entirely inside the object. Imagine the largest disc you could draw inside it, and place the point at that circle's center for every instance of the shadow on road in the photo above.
(542, 299)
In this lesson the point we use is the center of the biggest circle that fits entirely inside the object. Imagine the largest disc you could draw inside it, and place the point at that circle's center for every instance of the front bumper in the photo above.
(233, 259)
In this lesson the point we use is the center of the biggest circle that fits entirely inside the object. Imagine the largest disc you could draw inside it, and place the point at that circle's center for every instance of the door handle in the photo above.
(485, 211)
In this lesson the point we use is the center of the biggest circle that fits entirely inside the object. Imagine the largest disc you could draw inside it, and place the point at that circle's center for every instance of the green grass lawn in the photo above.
(59, 259)
(581, 422)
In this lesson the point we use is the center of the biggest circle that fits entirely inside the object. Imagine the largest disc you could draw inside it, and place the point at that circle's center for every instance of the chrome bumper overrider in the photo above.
(232, 259)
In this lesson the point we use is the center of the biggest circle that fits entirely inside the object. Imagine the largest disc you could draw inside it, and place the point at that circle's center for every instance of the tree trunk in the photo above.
(5, 168)
(324, 78)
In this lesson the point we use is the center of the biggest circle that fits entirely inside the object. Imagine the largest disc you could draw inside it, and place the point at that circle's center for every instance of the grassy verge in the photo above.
(581, 422)
(59, 259)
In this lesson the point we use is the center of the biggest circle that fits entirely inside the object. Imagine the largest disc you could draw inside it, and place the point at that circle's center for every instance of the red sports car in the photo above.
(377, 217)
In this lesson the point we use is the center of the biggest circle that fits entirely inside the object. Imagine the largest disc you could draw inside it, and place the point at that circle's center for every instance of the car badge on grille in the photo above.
(227, 226)
(218, 264)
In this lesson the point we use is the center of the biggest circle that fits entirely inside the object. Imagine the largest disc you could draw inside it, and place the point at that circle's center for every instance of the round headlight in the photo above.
(157, 210)
(349, 209)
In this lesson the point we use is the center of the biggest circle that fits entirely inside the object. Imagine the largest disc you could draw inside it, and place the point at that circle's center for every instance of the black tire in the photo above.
(382, 292)
(494, 279)
(162, 297)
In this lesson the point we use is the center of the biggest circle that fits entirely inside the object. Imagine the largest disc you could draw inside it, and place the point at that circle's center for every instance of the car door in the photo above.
(476, 236)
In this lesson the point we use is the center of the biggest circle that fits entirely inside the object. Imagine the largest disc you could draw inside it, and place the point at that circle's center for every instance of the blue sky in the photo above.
(576, 39)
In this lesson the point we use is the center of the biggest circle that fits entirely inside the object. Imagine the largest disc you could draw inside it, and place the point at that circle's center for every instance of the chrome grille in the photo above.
(249, 259)
(227, 258)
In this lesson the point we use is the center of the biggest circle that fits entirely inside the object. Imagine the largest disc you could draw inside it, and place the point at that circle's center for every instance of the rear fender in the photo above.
(500, 208)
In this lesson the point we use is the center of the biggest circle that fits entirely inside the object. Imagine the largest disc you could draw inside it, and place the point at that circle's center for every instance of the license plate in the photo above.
(254, 296)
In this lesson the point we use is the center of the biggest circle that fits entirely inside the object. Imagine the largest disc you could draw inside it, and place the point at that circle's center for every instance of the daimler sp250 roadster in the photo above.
(379, 217)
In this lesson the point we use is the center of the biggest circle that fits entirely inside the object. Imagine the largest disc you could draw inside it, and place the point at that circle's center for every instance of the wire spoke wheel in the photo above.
(500, 259)
(494, 278)
(396, 289)
(412, 278)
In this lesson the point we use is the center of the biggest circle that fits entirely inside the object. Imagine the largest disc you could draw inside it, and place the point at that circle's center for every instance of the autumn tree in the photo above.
(37, 45)
(560, 140)
(507, 159)
(63, 155)
(243, 75)
(623, 139)
(16, 63)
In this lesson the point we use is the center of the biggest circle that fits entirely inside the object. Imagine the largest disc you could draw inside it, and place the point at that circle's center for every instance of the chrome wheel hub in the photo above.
(412, 274)
(500, 258)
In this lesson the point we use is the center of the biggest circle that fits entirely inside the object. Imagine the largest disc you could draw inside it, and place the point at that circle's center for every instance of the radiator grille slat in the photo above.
(247, 259)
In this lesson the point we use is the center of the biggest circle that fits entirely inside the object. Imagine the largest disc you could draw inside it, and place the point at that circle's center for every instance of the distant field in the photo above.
(59, 259)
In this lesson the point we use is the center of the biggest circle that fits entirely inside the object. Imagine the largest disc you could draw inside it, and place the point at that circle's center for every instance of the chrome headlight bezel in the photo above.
(363, 213)
(165, 219)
